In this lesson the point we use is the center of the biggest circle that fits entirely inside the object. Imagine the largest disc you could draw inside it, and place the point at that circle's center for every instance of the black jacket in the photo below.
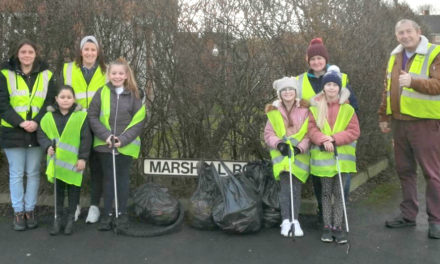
(13, 137)
(61, 121)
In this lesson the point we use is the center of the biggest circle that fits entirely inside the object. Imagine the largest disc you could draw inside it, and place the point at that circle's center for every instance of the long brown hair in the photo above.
(100, 58)
(130, 83)
(29, 42)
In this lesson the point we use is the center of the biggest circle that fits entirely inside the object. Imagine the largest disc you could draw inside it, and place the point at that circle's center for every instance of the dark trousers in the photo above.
(418, 141)
(285, 203)
(96, 178)
(73, 193)
(123, 166)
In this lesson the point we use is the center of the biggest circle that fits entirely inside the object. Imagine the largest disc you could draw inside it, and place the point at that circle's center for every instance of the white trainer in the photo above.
(285, 227)
(298, 231)
(77, 212)
(93, 215)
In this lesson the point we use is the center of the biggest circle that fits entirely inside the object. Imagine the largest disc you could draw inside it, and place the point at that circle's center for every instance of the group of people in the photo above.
(312, 130)
(91, 114)
(311, 117)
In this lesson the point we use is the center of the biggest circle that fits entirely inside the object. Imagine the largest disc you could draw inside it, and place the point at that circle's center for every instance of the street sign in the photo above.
(186, 167)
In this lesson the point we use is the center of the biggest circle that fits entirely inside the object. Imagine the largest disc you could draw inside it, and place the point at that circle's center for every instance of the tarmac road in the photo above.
(370, 242)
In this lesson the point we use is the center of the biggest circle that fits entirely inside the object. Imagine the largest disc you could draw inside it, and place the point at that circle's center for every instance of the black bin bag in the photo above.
(203, 199)
(239, 209)
(271, 202)
(260, 173)
(155, 205)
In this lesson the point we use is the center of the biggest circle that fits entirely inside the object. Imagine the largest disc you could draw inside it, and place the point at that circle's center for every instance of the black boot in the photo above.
(56, 228)
(122, 221)
(19, 222)
(105, 223)
(69, 225)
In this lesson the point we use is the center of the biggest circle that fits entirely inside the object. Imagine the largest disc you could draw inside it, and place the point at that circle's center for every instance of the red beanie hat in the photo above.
(316, 47)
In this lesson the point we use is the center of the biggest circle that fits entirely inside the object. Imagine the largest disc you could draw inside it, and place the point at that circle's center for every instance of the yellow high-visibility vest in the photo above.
(413, 103)
(19, 97)
(84, 92)
(305, 90)
(323, 163)
(300, 162)
(67, 147)
(131, 149)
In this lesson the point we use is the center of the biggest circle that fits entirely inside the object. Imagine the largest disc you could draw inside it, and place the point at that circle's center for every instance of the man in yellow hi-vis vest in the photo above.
(411, 103)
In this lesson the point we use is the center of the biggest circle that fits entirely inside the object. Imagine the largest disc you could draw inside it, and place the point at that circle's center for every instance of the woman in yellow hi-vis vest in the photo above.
(286, 131)
(26, 89)
(86, 74)
(310, 83)
(67, 126)
(332, 123)
(117, 117)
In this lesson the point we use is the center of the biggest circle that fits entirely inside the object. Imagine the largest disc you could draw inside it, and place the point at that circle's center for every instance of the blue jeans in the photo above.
(21, 161)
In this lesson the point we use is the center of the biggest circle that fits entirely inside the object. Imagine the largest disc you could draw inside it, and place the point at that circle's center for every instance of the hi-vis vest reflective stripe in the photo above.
(133, 148)
(306, 91)
(412, 102)
(323, 163)
(300, 163)
(19, 97)
(67, 147)
(84, 92)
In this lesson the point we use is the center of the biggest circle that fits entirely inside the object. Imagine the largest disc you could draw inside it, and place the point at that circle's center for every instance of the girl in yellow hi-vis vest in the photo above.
(116, 117)
(65, 136)
(332, 123)
(286, 131)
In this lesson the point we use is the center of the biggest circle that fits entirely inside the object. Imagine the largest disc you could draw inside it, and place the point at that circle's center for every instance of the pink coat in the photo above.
(350, 134)
(292, 121)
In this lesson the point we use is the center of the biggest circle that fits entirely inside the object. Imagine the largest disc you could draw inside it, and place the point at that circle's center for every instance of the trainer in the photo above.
(411, 104)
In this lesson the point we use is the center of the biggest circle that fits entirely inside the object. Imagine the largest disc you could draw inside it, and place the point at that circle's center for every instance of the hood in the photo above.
(343, 97)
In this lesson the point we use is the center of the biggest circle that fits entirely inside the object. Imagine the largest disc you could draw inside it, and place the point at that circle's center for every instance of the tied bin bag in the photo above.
(203, 199)
(239, 208)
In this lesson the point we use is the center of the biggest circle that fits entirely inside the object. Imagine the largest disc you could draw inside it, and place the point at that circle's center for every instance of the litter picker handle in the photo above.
(54, 145)
(335, 149)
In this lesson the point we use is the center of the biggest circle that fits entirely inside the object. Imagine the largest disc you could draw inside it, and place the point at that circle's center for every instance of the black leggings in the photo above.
(73, 193)
(123, 166)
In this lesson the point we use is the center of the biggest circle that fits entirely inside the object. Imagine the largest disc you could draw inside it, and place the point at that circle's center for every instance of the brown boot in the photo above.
(19, 222)
(31, 221)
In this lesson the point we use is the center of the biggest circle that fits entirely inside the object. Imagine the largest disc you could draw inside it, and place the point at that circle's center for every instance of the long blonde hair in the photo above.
(130, 82)
(322, 112)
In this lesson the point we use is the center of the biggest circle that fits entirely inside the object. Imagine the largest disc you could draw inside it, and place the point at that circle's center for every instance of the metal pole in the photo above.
(292, 208)
(114, 160)
(342, 188)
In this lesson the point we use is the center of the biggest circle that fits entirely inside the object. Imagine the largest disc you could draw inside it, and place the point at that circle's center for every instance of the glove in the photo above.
(296, 151)
(283, 148)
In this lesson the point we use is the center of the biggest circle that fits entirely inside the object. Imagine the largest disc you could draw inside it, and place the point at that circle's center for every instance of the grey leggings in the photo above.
(285, 195)
(332, 212)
